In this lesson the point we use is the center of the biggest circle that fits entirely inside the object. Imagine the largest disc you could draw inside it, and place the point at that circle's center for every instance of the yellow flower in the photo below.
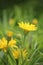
(12, 43)
(3, 44)
(35, 21)
(11, 21)
(9, 33)
(27, 26)
(16, 54)
(24, 53)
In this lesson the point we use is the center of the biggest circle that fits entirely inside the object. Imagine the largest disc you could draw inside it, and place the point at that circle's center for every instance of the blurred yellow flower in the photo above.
(11, 21)
(24, 53)
(35, 21)
(9, 33)
(27, 26)
(16, 54)
(3, 44)
(12, 43)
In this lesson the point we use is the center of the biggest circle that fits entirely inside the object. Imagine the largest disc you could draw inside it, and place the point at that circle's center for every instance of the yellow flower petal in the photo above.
(15, 46)
(24, 53)
(27, 26)
(3, 43)
(12, 43)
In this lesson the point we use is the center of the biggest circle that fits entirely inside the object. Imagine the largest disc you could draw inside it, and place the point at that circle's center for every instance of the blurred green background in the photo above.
(22, 9)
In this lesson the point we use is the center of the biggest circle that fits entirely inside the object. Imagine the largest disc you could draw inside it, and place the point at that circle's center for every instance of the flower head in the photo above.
(9, 33)
(27, 26)
(35, 21)
(16, 54)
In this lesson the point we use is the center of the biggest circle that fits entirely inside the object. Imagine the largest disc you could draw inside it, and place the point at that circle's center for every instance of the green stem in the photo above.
(30, 41)
(25, 34)
(17, 61)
